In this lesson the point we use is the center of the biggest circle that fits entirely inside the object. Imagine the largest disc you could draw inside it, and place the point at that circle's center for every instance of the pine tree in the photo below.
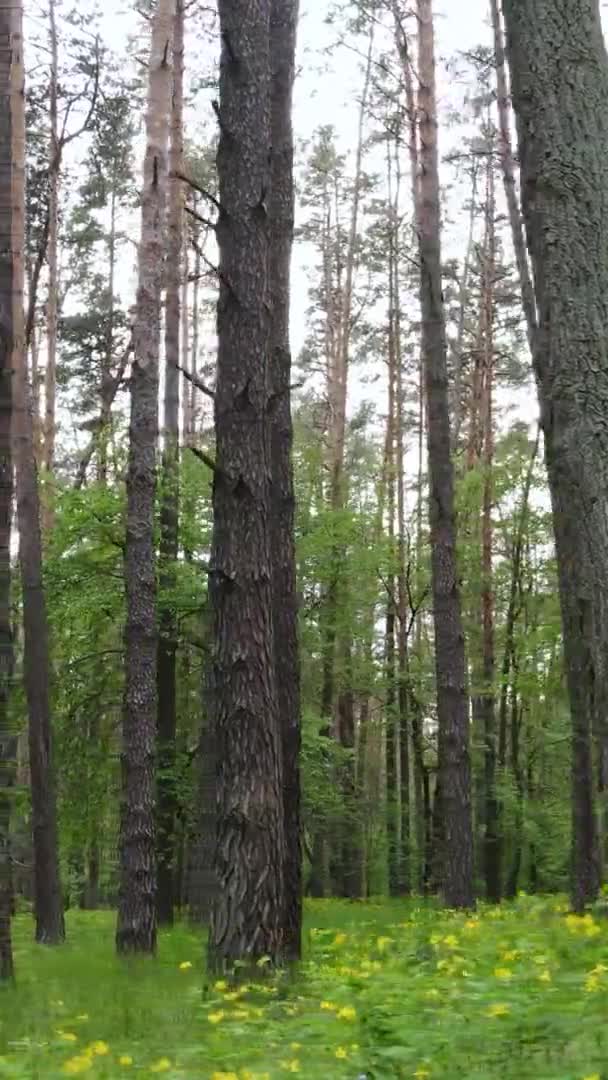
(564, 163)
(248, 910)
(136, 926)
(12, 343)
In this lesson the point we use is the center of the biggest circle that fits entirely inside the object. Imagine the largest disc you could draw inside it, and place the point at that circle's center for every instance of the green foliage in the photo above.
(386, 991)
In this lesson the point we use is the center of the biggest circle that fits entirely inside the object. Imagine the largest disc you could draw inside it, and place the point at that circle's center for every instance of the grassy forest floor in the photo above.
(387, 990)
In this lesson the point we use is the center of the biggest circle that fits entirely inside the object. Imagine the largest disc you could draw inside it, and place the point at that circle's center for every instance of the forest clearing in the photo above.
(386, 990)
(304, 539)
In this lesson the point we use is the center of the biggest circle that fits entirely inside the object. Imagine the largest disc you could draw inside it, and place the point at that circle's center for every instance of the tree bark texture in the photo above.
(559, 76)
(12, 344)
(452, 704)
(509, 170)
(169, 510)
(247, 915)
(48, 901)
(136, 926)
(283, 29)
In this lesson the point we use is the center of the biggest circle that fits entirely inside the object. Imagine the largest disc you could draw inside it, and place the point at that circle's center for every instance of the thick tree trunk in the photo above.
(509, 170)
(136, 926)
(12, 352)
(166, 789)
(283, 28)
(559, 75)
(248, 912)
(452, 704)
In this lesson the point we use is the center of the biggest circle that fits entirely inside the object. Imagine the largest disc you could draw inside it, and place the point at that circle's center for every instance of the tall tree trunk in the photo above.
(12, 353)
(283, 28)
(247, 916)
(136, 925)
(48, 902)
(166, 790)
(508, 168)
(50, 377)
(492, 839)
(563, 151)
(452, 704)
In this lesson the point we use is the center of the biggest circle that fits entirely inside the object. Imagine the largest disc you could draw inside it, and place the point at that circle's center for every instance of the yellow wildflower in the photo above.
(162, 1065)
(126, 1060)
(347, 1013)
(594, 1076)
(232, 996)
(99, 1048)
(382, 942)
(592, 984)
(79, 1064)
(292, 1066)
(216, 1017)
(472, 924)
(341, 1053)
(221, 985)
(545, 976)
(503, 973)
(499, 1009)
(509, 955)
(328, 1006)
(295, 1046)
(451, 941)
(226, 1076)
(67, 1036)
(421, 1073)
(185, 965)
(340, 939)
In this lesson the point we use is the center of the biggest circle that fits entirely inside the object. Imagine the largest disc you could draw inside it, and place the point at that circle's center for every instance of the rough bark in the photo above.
(247, 916)
(452, 704)
(559, 72)
(136, 925)
(12, 345)
(166, 675)
(509, 170)
(283, 28)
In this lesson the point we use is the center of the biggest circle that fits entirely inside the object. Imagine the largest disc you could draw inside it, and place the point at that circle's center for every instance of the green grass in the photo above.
(386, 990)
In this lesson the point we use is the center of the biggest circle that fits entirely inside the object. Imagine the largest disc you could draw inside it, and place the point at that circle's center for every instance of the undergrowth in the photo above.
(386, 991)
